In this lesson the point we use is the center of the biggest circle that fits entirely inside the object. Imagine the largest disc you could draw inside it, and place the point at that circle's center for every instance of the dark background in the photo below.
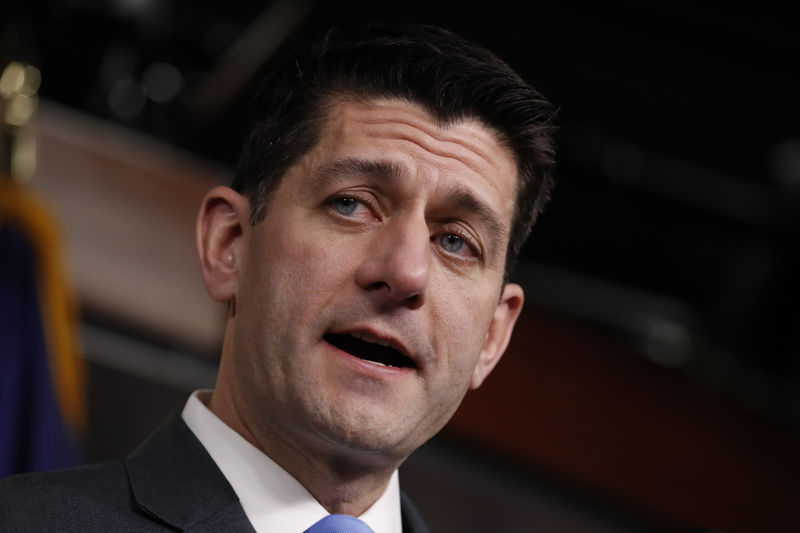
(679, 145)
(675, 222)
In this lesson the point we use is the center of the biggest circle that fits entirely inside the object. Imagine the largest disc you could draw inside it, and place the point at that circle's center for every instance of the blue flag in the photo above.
(33, 433)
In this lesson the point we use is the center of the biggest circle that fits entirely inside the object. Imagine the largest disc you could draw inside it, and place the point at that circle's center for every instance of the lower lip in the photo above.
(368, 368)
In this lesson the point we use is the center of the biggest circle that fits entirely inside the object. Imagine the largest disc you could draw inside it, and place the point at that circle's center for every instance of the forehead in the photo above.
(465, 153)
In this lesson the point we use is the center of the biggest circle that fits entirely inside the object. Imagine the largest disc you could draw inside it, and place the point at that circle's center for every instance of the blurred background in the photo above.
(652, 384)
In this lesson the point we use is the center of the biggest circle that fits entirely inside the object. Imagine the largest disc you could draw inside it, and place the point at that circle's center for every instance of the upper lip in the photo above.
(370, 335)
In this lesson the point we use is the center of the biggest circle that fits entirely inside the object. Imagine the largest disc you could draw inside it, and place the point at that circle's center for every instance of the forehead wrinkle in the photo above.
(462, 145)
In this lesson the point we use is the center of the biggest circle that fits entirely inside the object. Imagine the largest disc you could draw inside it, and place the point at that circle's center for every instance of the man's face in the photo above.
(367, 298)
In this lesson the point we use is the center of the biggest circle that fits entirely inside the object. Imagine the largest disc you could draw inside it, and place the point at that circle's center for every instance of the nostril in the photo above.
(378, 285)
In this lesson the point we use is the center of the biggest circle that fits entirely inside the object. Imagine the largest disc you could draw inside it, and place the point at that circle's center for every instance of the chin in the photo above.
(374, 438)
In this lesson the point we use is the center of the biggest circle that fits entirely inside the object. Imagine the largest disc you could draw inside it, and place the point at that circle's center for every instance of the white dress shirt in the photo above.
(272, 499)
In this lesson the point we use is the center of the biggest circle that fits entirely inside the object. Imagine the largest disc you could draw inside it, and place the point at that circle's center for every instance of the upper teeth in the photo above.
(369, 338)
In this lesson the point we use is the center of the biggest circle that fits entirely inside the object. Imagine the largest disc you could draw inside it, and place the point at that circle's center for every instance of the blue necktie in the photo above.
(339, 523)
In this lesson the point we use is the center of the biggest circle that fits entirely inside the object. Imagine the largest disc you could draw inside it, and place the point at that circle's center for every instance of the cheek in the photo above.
(315, 269)
(300, 274)
(461, 323)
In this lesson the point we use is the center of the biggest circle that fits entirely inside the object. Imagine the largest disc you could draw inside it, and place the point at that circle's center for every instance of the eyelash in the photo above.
(469, 241)
(366, 203)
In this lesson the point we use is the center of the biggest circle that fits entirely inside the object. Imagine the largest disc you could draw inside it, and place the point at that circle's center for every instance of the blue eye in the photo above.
(451, 242)
(345, 206)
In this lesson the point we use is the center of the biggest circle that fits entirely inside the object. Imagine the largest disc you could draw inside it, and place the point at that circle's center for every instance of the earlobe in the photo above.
(220, 224)
(505, 316)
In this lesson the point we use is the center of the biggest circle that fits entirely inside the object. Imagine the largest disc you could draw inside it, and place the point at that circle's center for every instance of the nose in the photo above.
(396, 265)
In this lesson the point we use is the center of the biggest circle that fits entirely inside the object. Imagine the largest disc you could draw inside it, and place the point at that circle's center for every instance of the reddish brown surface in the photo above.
(568, 400)
(565, 399)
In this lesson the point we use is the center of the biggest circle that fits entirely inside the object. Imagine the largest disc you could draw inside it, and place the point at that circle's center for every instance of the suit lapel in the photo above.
(175, 482)
(412, 519)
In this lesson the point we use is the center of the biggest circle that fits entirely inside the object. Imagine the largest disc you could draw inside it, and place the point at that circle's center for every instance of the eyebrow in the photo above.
(463, 200)
(350, 166)
(458, 198)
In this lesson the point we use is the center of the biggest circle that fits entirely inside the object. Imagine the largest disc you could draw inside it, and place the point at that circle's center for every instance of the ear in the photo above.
(223, 217)
(505, 316)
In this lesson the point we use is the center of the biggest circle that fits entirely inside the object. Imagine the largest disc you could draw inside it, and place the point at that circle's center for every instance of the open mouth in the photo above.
(370, 351)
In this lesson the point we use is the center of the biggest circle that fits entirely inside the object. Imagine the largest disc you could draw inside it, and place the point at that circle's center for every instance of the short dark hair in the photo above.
(451, 77)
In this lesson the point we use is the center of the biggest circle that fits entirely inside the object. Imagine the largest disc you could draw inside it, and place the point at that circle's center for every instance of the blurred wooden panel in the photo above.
(127, 206)
(569, 401)
(566, 399)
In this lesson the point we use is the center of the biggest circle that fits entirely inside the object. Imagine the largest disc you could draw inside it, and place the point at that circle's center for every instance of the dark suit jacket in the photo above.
(169, 483)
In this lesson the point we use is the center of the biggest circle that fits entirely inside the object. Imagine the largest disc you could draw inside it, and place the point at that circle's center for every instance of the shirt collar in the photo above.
(272, 499)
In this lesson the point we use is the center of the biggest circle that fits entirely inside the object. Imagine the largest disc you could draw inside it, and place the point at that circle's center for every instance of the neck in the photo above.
(342, 481)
